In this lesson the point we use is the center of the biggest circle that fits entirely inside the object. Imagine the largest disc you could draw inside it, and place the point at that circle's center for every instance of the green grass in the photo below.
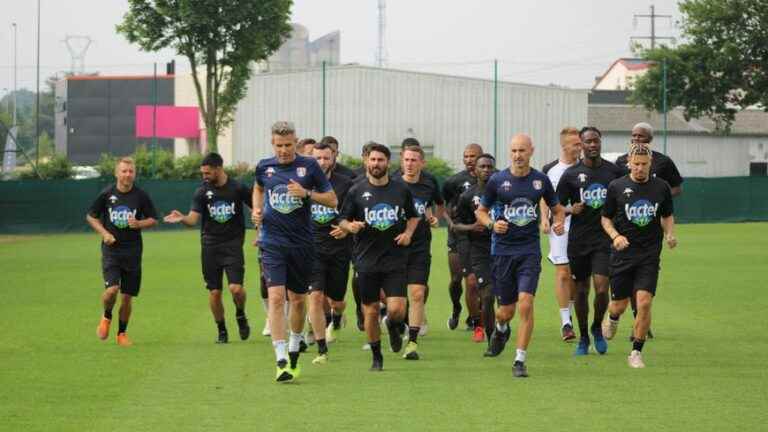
(705, 371)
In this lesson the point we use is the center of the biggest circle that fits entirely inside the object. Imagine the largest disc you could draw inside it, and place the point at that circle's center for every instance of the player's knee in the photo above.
(505, 313)
(417, 294)
(644, 300)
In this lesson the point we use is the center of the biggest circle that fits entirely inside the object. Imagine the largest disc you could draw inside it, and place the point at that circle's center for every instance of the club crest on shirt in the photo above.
(582, 178)
(628, 192)
(476, 201)
(506, 185)
(301, 171)
(113, 199)
(537, 184)
(270, 172)
(367, 195)
(466, 185)
(209, 194)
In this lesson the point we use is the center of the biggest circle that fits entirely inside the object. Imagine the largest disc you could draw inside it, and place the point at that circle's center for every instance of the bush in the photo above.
(56, 167)
(106, 166)
(187, 167)
(350, 162)
(157, 164)
(240, 171)
(439, 168)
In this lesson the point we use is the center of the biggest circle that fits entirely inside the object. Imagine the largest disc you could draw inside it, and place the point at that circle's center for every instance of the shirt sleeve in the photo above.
(622, 162)
(258, 175)
(98, 206)
(437, 197)
(672, 175)
(246, 195)
(147, 207)
(667, 206)
(463, 208)
(609, 208)
(320, 182)
(447, 190)
(564, 191)
(489, 196)
(549, 193)
(349, 208)
(410, 207)
(197, 205)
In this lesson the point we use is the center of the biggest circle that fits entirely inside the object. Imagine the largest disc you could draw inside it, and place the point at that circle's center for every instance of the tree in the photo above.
(720, 69)
(222, 36)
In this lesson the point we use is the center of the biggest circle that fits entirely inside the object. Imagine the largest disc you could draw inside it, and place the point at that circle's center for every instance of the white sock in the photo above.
(565, 317)
(520, 356)
(293, 342)
(502, 327)
(280, 352)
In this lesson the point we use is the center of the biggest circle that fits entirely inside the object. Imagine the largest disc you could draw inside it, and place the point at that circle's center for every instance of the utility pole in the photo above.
(381, 49)
(37, 97)
(652, 37)
(15, 70)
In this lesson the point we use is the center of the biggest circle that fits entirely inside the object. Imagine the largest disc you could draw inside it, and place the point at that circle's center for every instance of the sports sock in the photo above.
(565, 317)
(294, 339)
(413, 334)
(454, 289)
(637, 344)
(376, 349)
(328, 318)
(280, 351)
(108, 313)
(239, 313)
(322, 347)
(221, 326)
(294, 358)
(520, 355)
(122, 326)
(336, 320)
(502, 327)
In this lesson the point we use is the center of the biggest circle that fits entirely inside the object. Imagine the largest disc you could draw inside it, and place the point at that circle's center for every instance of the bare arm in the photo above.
(668, 225)
(619, 241)
(189, 219)
(558, 226)
(106, 236)
(258, 205)
(545, 212)
(677, 190)
(141, 224)
(327, 199)
(404, 238)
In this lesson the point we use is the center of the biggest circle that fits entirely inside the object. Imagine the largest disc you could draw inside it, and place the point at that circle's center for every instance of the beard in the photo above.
(377, 172)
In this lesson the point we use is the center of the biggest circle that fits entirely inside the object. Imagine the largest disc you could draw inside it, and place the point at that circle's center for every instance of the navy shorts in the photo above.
(465, 254)
(513, 274)
(287, 266)
(481, 262)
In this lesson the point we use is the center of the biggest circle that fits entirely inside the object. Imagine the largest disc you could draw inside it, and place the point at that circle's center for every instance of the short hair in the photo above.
(126, 160)
(644, 126)
(330, 140)
(590, 129)
(487, 156)
(408, 142)
(307, 141)
(213, 160)
(415, 149)
(569, 130)
(381, 148)
(283, 128)
(367, 148)
(639, 149)
(322, 146)
(475, 146)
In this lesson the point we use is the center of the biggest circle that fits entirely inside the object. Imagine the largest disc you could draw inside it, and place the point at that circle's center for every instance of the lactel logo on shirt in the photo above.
(594, 195)
(382, 216)
(322, 214)
(520, 212)
(281, 201)
(421, 206)
(221, 211)
(119, 216)
(641, 212)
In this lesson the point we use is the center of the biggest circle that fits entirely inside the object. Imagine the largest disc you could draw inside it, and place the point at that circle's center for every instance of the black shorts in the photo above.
(371, 283)
(595, 262)
(123, 270)
(452, 242)
(287, 266)
(217, 259)
(417, 269)
(630, 275)
(330, 274)
(481, 262)
(513, 275)
(465, 254)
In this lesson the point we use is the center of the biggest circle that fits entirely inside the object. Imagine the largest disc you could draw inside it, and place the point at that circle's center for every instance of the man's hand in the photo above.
(478, 227)
(577, 208)
(403, 239)
(500, 227)
(620, 242)
(433, 221)
(296, 190)
(545, 228)
(174, 217)
(133, 223)
(558, 228)
(108, 239)
(337, 232)
(671, 241)
(256, 217)
(355, 226)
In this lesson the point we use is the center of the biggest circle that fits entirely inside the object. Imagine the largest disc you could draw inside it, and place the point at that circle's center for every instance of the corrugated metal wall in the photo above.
(384, 105)
(698, 155)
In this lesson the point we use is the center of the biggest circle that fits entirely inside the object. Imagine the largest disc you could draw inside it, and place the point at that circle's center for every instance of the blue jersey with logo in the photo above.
(589, 185)
(516, 200)
(113, 209)
(287, 220)
(221, 208)
(636, 210)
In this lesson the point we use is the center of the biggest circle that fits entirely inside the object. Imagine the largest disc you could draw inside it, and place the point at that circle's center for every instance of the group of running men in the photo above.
(314, 216)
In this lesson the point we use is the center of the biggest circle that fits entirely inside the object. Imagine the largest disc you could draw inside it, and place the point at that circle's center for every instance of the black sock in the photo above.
(322, 347)
(108, 313)
(221, 326)
(328, 318)
(454, 289)
(122, 327)
(294, 356)
(336, 321)
(413, 334)
(376, 349)
(239, 313)
(637, 344)
(393, 325)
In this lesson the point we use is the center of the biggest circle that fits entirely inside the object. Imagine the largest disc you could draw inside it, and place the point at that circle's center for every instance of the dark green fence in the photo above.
(60, 205)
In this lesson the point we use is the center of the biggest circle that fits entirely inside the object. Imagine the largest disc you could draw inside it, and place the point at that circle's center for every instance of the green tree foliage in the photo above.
(54, 168)
(721, 68)
(222, 38)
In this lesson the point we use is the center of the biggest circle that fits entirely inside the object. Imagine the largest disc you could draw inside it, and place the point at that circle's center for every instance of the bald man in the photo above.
(514, 195)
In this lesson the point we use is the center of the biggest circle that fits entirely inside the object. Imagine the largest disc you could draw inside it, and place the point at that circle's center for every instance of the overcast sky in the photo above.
(562, 42)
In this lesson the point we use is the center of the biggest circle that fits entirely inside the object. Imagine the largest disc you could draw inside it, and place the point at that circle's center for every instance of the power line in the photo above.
(652, 37)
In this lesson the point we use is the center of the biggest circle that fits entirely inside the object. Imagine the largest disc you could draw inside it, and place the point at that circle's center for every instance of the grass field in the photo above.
(706, 370)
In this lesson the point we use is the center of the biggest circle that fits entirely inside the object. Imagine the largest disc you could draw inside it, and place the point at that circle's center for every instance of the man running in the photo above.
(637, 216)
(480, 243)
(338, 167)
(459, 261)
(331, 269)
(286, 184)
(583, 188)
(514, 195)
(220, 201)
(382, 216)
(570, 149)
(119, 214)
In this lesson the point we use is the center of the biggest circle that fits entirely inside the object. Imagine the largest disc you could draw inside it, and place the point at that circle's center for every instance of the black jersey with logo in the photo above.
(426, 193)
(323, 217)
(636, 210)
(344, 170)
(113, 208)
(468, 202)
(583, 184)
(223, 215)
(662, 166)
(385, 211)
(454, 186)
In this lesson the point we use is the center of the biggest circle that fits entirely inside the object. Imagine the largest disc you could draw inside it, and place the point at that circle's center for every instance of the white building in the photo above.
(621, 74)
(357, 104)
